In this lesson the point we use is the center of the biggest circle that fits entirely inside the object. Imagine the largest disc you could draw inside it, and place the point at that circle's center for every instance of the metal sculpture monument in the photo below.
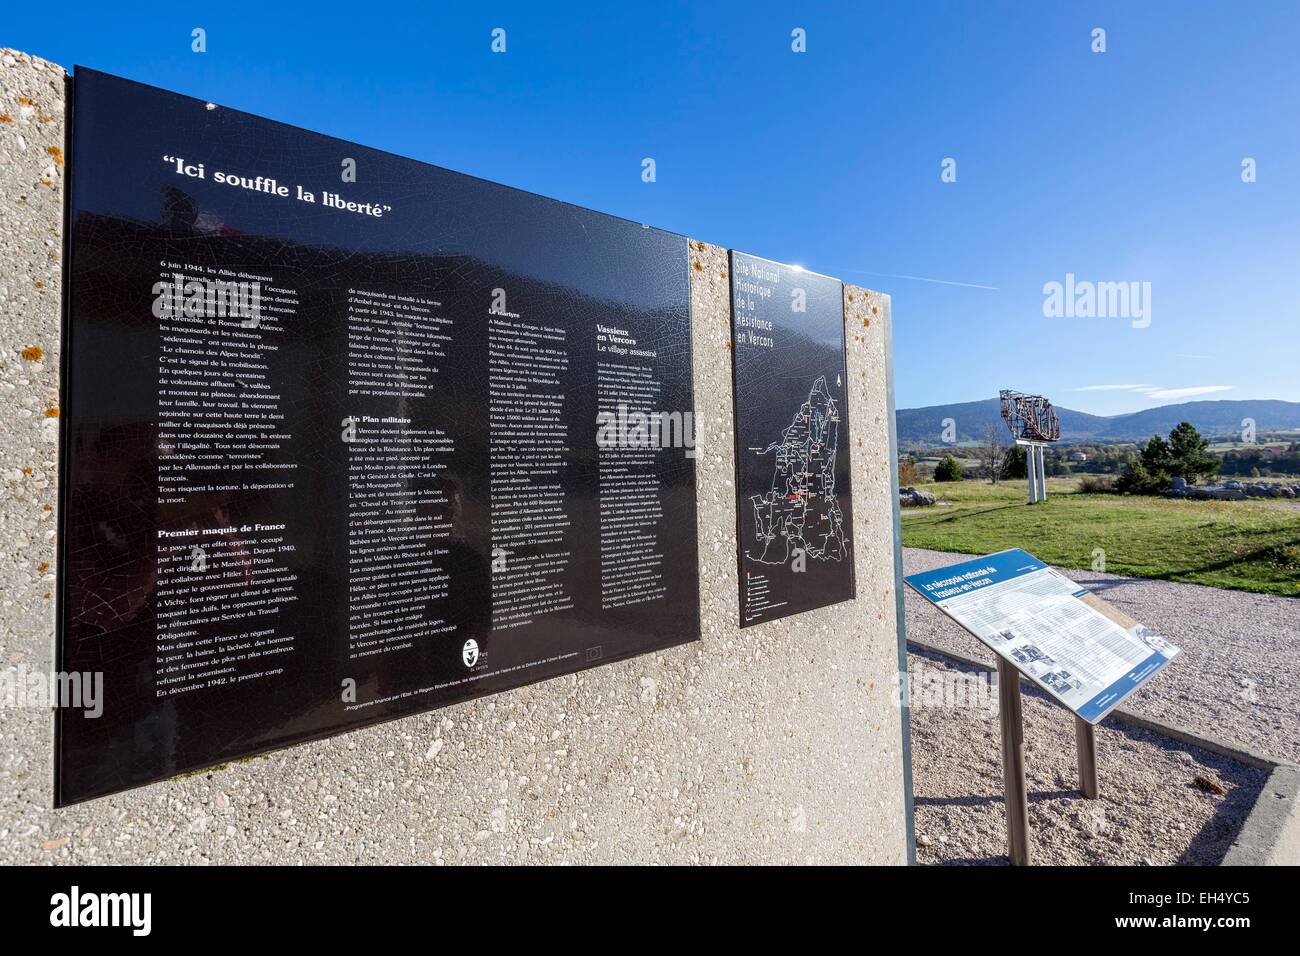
(1033, 423)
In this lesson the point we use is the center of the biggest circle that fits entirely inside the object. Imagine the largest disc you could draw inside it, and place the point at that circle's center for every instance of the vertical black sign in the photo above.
(794, 504)
(347, 437)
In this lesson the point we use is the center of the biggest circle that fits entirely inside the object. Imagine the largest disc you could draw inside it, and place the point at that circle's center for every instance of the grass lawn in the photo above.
(1227, 544)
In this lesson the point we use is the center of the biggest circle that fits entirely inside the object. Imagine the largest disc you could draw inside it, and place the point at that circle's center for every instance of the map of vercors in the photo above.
(799, 514)
(794, 495)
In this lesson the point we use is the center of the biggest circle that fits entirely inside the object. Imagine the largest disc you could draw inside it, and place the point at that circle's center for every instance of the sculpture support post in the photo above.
(1029, 471)
(1031, 466)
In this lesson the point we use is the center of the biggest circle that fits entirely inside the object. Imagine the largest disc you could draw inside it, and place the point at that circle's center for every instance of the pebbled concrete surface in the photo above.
(31, 178)
(1237, 680)
(778, 744)
(31, 193)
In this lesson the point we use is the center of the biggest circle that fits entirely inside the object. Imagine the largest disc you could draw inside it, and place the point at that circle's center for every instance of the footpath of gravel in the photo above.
(1237, 680)
(1158, 804)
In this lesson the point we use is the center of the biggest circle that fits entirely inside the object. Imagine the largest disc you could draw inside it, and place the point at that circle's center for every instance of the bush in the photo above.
(948, 469)
(1095, 485)
(1016, 463)
(1136, 480)
(906, 472)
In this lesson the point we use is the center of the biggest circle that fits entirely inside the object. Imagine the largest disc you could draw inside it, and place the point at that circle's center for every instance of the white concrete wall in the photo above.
(777, 744)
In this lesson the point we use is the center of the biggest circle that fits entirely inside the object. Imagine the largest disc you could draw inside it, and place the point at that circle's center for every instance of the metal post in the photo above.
(1038, 478)
(1085, 738)
(1042, 474)
(1014, 792)
(1033, 472)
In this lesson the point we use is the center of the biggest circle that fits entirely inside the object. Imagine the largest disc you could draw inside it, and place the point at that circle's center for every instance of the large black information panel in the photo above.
(794, 506)
(348, 436)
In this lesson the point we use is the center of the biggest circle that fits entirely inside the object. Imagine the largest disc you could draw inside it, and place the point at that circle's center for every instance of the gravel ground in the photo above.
(1150, 810)
(1237, 680)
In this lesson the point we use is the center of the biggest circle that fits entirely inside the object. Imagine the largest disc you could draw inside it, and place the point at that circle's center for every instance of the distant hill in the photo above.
(1210, 418)
(924, 426)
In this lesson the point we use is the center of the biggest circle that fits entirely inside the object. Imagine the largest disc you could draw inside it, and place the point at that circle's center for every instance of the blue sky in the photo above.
(1122, 166)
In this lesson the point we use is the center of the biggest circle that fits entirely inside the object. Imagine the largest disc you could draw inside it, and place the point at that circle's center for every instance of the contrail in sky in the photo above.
(964, 285)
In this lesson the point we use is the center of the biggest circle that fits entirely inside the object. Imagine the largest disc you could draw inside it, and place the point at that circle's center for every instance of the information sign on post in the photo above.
(1081, 650)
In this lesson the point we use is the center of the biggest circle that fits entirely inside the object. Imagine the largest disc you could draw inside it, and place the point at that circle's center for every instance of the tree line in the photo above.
(1148, 468)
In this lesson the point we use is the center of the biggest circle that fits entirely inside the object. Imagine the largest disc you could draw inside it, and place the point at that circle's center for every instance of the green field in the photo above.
(1243, 545)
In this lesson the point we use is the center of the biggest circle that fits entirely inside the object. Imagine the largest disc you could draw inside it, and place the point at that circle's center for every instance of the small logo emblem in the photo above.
(469, 653)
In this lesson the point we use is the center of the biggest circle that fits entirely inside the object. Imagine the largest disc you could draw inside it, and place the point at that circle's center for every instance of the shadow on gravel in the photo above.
(971, 861)
(1162, 801)
(974, 801)
(1106, 585)
(1213, 840)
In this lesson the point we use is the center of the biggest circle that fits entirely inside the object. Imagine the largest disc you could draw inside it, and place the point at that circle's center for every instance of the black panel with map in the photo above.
(347, 436)
(794, 505)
